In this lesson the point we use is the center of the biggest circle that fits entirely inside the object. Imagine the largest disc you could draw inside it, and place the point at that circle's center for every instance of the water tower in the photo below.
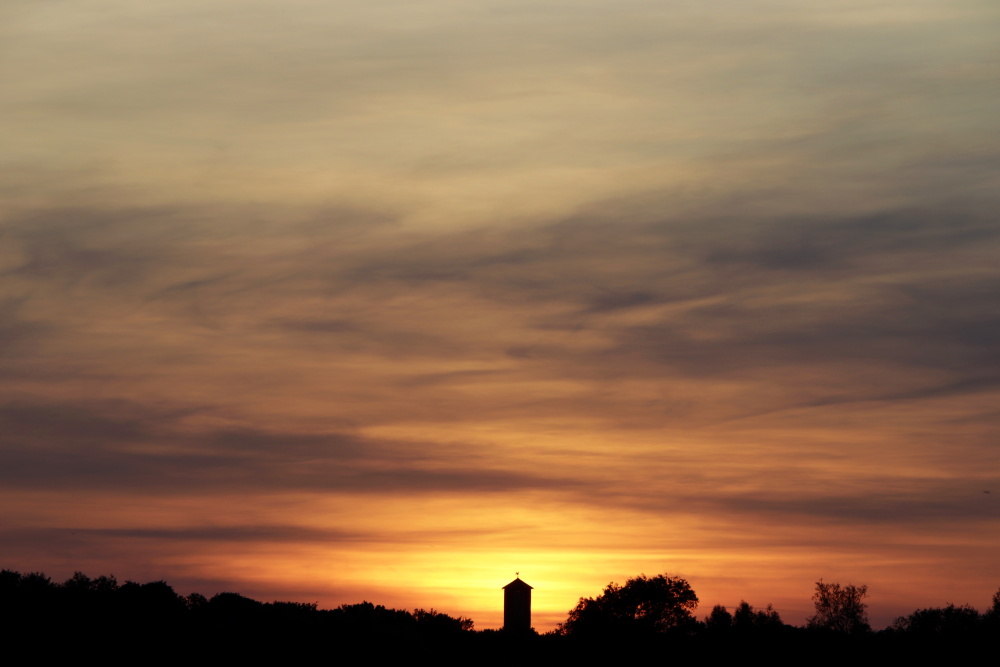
(517, 606)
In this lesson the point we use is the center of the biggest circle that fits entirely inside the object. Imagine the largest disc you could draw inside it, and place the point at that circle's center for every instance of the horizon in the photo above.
(380, 299)
(549, 620)
(549, 623)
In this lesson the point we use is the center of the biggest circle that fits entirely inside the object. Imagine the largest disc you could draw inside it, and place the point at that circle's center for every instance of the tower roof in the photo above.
(517, 583)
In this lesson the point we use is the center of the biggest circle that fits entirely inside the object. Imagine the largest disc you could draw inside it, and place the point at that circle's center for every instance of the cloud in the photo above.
(588, 298)
(821, 244)
(73, 245)
(125, 447)
(18, 334)
(71, 538)
(870, 500)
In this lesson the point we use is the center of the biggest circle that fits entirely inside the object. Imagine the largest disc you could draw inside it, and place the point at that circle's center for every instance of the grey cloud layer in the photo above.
(130, 448)
(901, 288)
(909, 293)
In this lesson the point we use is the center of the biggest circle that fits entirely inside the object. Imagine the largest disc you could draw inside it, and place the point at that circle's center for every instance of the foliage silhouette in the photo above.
(719, 620)
(645, 616)
(435, 621)
(840, 608)
(951, 622)
(196, 602)
(994, 609)
(748, 619)
(642, 606)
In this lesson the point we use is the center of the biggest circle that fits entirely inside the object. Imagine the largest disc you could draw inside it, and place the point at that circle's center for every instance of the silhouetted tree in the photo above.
(155, 597)
(293, 609)
(36, 582)
(104, 584)
(78, 582)
(196, 602)
(90, 602)
(840, 608)
(644, 605)
(746, 618)
(990, 619)
(149, 612)
(719, 620)
(435, 621)
(368, 618)
(942, 622)
(234, 609)
(230, 627)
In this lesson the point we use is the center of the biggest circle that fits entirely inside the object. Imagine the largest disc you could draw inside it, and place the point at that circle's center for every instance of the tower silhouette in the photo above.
(517, 606)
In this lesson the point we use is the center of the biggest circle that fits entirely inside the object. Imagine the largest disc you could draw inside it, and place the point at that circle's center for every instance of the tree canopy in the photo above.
(643, 605)
(840, 608)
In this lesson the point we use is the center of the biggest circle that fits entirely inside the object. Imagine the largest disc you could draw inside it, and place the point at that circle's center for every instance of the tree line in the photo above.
(100, 616)
(651, 614)
(663, 604)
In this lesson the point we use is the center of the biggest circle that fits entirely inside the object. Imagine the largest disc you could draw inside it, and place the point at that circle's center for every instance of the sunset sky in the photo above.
(387, 300)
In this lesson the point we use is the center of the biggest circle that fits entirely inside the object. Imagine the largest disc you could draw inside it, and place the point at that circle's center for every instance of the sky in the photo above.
(387, 301)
